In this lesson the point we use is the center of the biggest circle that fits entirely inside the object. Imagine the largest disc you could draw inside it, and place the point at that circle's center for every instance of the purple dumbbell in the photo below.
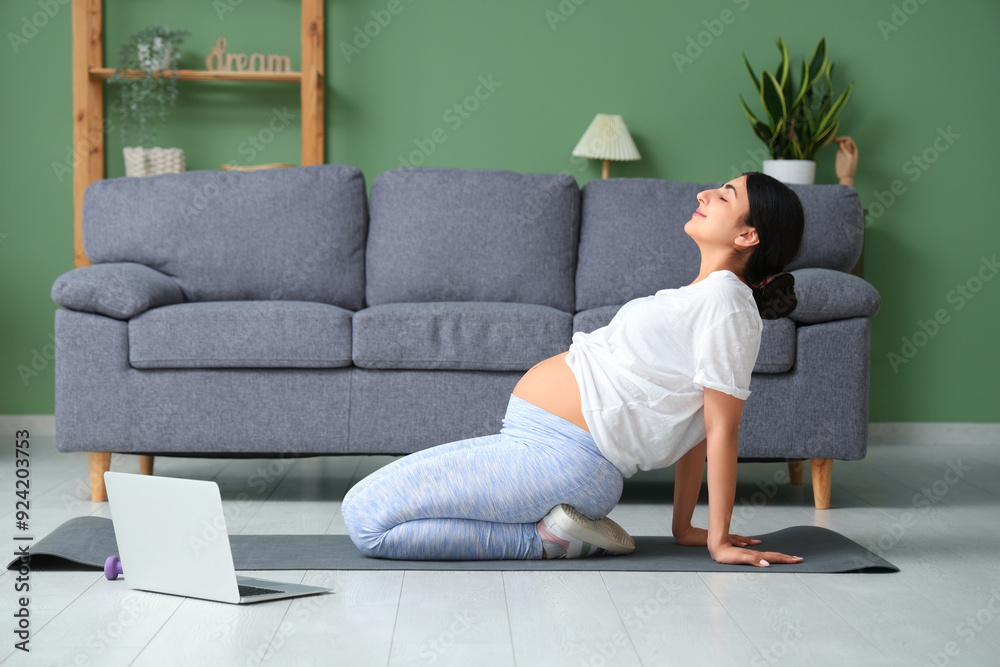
(112, 567)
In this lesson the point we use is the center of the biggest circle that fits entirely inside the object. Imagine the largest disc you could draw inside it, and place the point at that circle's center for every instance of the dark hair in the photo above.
(776, 213)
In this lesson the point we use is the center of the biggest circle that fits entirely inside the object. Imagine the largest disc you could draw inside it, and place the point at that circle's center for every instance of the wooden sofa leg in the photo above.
(795, 471)
(822, 476)
(145, 464)
(100, 463)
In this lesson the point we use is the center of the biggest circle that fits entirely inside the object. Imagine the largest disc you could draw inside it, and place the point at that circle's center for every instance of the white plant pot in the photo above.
(791, 171)
(152, 161)
(154, 56)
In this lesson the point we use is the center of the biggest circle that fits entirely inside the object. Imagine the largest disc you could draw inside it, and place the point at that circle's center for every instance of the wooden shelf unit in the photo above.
(89, 75)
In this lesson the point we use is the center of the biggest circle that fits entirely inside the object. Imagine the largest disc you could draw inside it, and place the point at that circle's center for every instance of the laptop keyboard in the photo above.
(247, 591)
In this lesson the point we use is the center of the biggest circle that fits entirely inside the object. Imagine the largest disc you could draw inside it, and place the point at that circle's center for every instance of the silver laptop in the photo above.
(172, 538)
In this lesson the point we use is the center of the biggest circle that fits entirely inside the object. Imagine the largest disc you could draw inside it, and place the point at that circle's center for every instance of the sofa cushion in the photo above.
(632, 240)
(459, 335)
(595, 318)
(295, 233)
(633, 243)
(241, 334)
(777, 342)
(442, 234)
(834, 230)
(120, 290)
(777, 346)
(823, 295)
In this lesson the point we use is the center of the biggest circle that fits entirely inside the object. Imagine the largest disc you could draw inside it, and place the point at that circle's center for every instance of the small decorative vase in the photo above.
(152, 161)
(791, 171)
(154, 56)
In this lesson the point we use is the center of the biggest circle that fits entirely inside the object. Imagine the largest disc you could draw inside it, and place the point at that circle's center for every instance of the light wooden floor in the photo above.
(940, 609)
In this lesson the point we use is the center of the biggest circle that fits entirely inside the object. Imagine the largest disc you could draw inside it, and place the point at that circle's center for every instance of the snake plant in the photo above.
(798, 119)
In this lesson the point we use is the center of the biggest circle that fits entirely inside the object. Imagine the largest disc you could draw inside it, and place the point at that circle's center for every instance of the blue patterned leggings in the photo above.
(479, 499)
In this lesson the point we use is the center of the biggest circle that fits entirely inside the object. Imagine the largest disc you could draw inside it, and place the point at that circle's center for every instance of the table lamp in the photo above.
(607, 139)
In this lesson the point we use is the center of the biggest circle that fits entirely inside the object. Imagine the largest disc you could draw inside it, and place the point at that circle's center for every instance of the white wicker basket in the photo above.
(152, 161)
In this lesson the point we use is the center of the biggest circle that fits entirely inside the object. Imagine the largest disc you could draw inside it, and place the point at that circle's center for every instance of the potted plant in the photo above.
(798, 119)
(146, 92)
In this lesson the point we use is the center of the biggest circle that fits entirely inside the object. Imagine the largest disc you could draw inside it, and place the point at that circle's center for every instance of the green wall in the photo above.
(921, 69)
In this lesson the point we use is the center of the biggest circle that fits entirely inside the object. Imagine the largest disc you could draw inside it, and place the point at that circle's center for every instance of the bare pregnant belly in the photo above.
(551, 385)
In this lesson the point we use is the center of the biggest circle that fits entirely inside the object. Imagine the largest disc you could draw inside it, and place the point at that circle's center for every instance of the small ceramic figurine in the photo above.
(847, 160)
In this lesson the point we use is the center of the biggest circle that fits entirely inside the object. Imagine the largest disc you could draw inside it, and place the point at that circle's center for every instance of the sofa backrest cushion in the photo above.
(633, 244)
(285, 234)
(632, 240)
(835, 226)
(448, 234)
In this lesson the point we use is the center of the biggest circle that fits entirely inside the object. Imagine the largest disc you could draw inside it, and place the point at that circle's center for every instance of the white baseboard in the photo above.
(924, 433)
(934, 433)
(43, 425)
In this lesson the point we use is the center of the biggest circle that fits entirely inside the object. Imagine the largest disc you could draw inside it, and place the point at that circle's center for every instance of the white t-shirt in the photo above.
(642, 377)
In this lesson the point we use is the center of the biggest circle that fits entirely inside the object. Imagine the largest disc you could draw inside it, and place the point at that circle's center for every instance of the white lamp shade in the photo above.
(607, 138)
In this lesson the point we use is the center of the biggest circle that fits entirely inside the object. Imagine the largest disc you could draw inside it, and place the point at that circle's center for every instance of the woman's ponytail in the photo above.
(775, 295)
(776, 213)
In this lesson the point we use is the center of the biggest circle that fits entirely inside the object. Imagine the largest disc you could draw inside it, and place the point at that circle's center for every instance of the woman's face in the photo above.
(716, 222)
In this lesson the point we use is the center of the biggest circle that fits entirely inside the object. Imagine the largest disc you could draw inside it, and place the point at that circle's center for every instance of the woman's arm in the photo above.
(722, 422)
(687, 487)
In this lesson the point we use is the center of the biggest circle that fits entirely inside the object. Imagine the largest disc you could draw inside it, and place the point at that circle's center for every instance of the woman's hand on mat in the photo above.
(737, 556)
(698, 537)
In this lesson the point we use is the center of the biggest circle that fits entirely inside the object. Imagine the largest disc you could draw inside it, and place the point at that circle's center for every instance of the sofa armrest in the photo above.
(116, 289)
(825, 295)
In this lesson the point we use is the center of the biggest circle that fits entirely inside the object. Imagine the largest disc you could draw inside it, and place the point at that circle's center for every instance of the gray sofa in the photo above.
(285, 313)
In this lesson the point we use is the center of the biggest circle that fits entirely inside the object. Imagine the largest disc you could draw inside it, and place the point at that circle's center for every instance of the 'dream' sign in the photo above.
(220, 61)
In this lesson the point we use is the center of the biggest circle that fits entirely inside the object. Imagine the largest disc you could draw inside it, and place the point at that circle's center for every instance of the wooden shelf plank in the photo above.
(206, 75)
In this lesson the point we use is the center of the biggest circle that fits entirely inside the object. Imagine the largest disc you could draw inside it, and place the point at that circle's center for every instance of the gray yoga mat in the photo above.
(88, 541)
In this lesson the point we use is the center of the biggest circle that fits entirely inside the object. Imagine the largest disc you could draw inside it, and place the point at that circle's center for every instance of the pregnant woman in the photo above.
(664, 382)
